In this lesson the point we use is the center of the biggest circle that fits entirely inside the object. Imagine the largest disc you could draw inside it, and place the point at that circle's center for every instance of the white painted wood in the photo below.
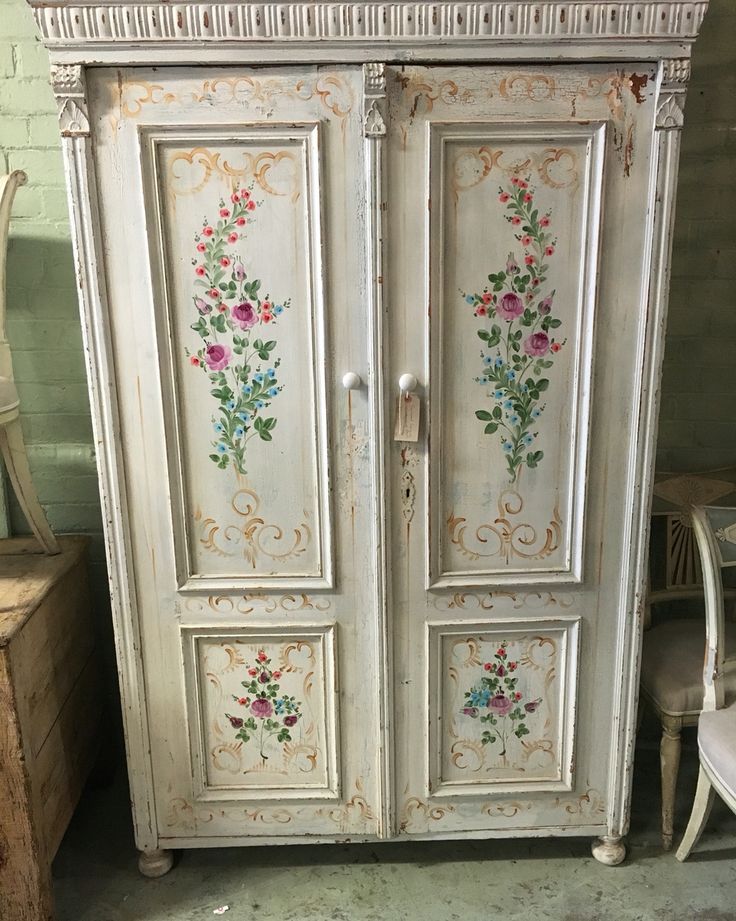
(373, 580)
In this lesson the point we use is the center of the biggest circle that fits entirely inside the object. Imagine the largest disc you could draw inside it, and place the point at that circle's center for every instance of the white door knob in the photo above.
(407, 383)
(351, 380)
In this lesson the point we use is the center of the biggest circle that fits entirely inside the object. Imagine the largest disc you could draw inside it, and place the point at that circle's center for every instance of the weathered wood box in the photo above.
(50, 704)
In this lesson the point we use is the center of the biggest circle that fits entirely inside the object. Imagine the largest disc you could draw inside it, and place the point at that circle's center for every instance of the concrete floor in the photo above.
(96, 877)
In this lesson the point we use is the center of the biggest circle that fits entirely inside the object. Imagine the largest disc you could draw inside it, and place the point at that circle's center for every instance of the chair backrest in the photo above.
(715, 532)
(8, 186)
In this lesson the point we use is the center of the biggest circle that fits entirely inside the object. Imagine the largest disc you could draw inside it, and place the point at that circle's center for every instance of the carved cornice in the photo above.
(68, 84)
(374, 100)
(671, 105)
(105, 24)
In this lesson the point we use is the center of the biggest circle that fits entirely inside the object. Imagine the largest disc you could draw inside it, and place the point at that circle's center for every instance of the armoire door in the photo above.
(519, 208)
(234, 261)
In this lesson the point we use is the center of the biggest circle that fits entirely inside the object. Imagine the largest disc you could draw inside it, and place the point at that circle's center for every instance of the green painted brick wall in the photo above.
(698, 419)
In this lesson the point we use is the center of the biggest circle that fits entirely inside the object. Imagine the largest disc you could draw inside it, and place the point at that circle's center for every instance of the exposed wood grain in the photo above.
(25, 877)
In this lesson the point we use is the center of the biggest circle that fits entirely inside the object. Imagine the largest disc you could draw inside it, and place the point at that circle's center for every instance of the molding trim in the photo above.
(671, 105)
(63, 23)
(69, 86)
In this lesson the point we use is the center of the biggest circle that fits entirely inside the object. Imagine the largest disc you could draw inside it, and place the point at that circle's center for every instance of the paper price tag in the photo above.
(406, 427)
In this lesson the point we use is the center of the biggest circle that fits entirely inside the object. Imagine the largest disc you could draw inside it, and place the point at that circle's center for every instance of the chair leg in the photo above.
(704, 798)
(669, 760)
(13, 450)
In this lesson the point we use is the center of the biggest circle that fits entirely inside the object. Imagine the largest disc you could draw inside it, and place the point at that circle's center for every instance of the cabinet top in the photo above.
(144, 31)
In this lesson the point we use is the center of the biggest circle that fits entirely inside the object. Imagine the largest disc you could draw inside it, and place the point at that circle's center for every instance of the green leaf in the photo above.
(555, 323)
(542, 383)
(483, 415)
(490, 428)
(497, 412)
(482, 334)
(265, 436)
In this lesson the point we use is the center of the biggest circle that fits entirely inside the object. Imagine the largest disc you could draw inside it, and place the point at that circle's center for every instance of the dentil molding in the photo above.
(104, 24)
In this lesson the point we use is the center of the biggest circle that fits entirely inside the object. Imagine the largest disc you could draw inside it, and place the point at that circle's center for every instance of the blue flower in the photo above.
(498, 394)
(221, 448)
(514, 419)
(260, 404)
(273, 391)
(528, 439)
(507, 447)
(279, 705)
(218, 427)
(239, 431)
(478, 697)
(230, 404)
(511, 375)
(469, 299)
(508, 404)
(487, 360)
(258, 378)
(247, 390)
(272, 373)
(244, 417)
(278, 309)
(498, 362)
(524, 388)
(536, 413)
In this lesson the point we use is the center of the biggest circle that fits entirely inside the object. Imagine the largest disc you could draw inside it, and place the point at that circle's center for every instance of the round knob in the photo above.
(407, 383)
(351, 380)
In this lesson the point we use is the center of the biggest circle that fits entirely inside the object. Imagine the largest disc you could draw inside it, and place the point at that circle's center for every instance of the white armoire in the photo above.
(374, 298)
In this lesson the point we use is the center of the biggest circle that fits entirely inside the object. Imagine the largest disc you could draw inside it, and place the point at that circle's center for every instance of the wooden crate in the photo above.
(50, 706)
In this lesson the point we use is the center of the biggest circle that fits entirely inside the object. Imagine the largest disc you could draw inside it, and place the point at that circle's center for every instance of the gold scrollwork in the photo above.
(136, 94)
(277, 173)
(420, 90)
(247, 604)
(253, 537)
(505, 539)
(414, 806)
(557, 167)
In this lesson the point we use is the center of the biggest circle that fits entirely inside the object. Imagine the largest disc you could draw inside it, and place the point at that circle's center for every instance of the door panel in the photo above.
(518, 203)
(234, 259)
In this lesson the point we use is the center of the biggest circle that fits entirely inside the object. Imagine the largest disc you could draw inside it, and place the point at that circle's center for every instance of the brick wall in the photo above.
(698, 421)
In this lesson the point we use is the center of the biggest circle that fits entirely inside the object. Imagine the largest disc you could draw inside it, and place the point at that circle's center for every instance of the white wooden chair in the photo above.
(715, 531)
(12, 446)
(672, 654)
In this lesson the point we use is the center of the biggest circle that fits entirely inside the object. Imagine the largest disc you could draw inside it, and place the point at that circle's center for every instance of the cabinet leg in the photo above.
(609, 850)
(155, 863)
(669, 762)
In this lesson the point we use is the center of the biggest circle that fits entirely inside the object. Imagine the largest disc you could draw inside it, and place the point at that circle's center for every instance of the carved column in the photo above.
(68, 83)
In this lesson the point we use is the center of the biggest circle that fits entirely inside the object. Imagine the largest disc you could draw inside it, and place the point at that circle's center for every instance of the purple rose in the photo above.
(264, 677)
(537, 344)
(545, 305)
(501, 671)
(217, 356)
(261, 707)
(239, 271)
(532, 705)
(510, 306)
(290, 720)
(470, 711)
(244, 315)
(500, 705)
(202, 306)
(512, 266)
(235, 722)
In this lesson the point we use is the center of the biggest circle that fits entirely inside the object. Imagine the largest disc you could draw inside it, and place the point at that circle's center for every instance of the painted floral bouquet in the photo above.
(497, 694)
(232, 314)
(519, 344)
(269, 712)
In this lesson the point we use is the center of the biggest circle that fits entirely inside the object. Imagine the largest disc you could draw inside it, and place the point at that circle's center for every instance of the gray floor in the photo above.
(97, 880)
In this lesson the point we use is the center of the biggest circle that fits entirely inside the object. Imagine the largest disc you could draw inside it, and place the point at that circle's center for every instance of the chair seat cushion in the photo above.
(717, 743)
(8, 395)
(672, 666)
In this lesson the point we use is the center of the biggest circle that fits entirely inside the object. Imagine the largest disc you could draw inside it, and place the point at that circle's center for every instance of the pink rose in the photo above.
(217, 356)
(244, 315)
(532, 705)
(500, 671)
(504, 197)
(235, 722)
(202, 306)
(261, 708)
(537, 344)
(500, 705)
(290, 720)
(510, 306)
(545, 305)
(264, 677)
(239, 270)
(470, 711)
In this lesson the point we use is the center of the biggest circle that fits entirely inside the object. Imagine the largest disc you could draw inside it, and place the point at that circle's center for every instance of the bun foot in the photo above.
(154, 864)
(610, 851)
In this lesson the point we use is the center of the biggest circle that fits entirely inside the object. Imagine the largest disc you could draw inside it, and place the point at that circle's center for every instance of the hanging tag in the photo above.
(406, 427)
